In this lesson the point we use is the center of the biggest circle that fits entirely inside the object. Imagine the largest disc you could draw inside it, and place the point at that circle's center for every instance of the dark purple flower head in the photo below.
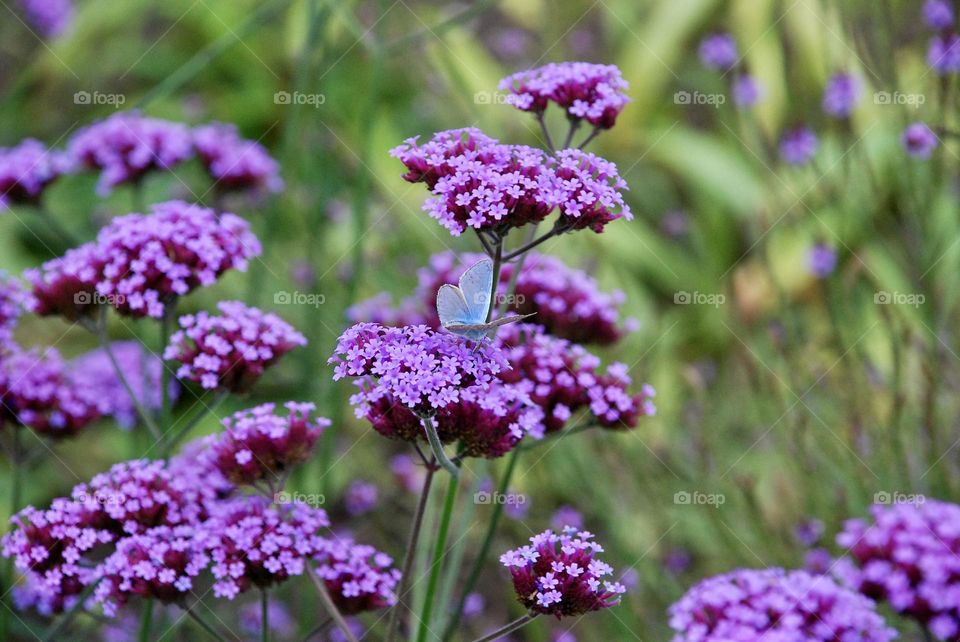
(39, 391)
(943, 55)
(231, 351)
(563, 378)
(589, 193)
(235, 163)
(808, 532)
(798, 145)
(938, 14)
(26, 170)
(719, 51)
(150, 260)
(160, 564)
(361, 497)
(257, 544)
(747, 91)
(50, 17)
(12, 299)
(677, 561)
(818, 561)
(841, 95)
(485, 420)
(359, 577)
(422, 369)
(907, 555)
(772, 604)
(595, 93)
(67, 285)
(143, 371)
(821, 260)
(560, 575)
(919, 141)
(126, 146)
(257, 444)
(407, 473)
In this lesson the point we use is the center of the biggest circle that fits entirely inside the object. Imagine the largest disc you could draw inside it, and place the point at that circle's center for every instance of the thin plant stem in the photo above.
(146, 621)
(589, 139)
(556, 231)
(264, 615)
(478, 563)
(65, 235)
(172, 442)
(509, 628)
(101, 332)
(546, 134)
(430, 427)
(318, 629)
(574, 126)
(203, 624)
(411, 552)
(439, 552)
(329, 604)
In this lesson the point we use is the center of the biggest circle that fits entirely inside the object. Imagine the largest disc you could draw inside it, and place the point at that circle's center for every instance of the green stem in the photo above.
(53, 633)
(548, 141)
(430, 427)
(411, 553)
(146, 620)
(202, 623)
(481, 559)
(510, 628)
(439, 552)
(556, 231)
(65, 235)
(264, 616)
(589, 139)
(318, 629)
(574, 126)
(329, 604)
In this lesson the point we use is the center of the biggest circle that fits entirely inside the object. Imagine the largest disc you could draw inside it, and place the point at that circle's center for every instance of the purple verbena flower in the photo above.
(231, 351)
(595, 93)
(257, 444)
(422, 369)
(12, 300)
(67, 285)
(907, 556)
(235, 163)
(818, 561)
(566, 515)
(26, 170)
(746, 90)
(798, 145)
(772, 604)
(407, 473)
(919, 140)
(50, 17)
(938, 14)
(359, 577)
(126, 146)
(821, 260)
(841, 95)
(360, 497)
(719, 51)
(589, 193)
(808, 532)
(560, 575)
(943, 55)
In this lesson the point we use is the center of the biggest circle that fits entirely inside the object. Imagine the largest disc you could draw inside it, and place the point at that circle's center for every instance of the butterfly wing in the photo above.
(475, 286)
(513, 318)
(451, 306)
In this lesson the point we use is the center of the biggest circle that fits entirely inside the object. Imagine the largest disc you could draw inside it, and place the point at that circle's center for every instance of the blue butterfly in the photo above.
(463, 310)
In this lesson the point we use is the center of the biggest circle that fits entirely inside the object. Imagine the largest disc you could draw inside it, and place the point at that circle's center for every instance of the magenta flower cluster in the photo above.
(12, 298)
(230, 351)
(773, 604)
(26, 170)
(235, 163)
(560, 574)
(908, 555)
(140, 263)
(422, 369)
(259, 445)
(480, 183)
(359, 577)
(585, 91)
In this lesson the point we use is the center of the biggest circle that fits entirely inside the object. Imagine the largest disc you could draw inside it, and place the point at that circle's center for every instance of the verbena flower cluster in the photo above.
(359, 577)
(50, 17)
(26, 170)
(422, 369)
(842, 94)
(483, 184)
(235, 163)
(772, 604)
(798, 145)
(257, 444)
(563, 378)
(12, 299)
(144, 374)
(230, 351)
(719, 52)
(907, 556)
(560, 575)
(567, 302)
(591, 92)
(140, 263)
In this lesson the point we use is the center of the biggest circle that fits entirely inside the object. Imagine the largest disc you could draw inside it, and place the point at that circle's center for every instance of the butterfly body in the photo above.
(464, 309)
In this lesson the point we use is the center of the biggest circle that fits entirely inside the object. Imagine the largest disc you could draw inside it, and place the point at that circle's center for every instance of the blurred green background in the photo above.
(795, 398)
